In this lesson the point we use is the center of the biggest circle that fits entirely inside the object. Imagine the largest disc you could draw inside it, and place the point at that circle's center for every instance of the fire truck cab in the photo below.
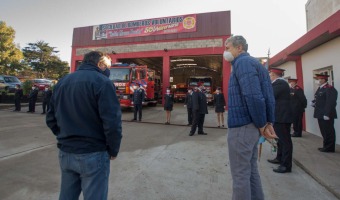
(208, 84)
(180, 92)
(125, 77)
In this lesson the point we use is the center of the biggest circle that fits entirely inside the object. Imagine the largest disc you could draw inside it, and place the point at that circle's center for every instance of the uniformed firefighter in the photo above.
(324, 110)
(188, 105)
(199, 109)
(137, 101)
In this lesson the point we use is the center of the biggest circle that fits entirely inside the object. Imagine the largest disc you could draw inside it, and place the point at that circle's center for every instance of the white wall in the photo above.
(319, 10)
(290, 68)
(322, 56)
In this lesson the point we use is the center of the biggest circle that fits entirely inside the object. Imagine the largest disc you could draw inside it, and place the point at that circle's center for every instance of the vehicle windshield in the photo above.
(120, 74)
(194, 82)
(183, 90)
(40, 81)
(11, 79)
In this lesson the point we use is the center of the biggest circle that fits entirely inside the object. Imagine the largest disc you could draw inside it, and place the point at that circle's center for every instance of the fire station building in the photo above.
(317, 51)
(175, 47)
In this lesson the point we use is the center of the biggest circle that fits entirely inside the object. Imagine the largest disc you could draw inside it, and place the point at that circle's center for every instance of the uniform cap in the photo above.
(292, 80)
(276, 70)
(321, 76)
(200, 84)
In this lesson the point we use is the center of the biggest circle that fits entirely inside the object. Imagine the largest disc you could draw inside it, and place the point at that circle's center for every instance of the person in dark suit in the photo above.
(283, 120)
(46, 99)
(137, 101)
(32, 99)
(17, 98)
(188, 104)
(298, 102)
(324, 103)
(219, 103)
(199, 109)
(168, 104)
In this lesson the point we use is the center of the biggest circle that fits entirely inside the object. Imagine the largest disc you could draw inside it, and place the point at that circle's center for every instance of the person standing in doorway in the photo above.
(188, 105)
(219, 104)
(46, 99)
(298, 103)
(283, 121)
(168, 104)
(85, 116)
(199, 110)
(137, 101)
(251, 107)
(324, 110)
(17, 98)
(32, 99)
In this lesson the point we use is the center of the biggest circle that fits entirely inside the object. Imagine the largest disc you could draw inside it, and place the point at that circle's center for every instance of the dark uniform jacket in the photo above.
(188, 100)
(199, 102)
(138, 96)
(168, 100)
(325, 102)
(33, 95)
(298, 100)
(283, 112)
(47, 95)
(85, 113)
(18, 94)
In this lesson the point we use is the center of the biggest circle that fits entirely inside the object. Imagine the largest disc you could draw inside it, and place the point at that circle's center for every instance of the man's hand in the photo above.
(325, 117)
(112, 158)
(268, 131)
(185, 105)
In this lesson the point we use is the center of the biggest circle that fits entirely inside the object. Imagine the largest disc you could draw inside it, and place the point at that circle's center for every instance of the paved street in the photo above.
(156, 162)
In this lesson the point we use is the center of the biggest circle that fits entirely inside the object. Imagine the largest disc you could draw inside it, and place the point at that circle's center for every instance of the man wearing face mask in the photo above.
(17, 98)
(32, 99)
(85, 117)
(251, 107)
(298, 104)
(46, 99)
(283, 120)
(324, 103)
(137, 101)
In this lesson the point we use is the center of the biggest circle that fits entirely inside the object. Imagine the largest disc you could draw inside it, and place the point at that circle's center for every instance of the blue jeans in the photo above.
(84, 172)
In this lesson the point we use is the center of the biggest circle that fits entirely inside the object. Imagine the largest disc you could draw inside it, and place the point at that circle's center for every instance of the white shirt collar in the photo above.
(322, 85)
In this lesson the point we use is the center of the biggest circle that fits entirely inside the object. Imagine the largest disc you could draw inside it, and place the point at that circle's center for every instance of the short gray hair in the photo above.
(238, 40)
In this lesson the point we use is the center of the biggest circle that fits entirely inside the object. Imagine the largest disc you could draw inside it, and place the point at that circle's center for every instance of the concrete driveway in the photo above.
(156, 162)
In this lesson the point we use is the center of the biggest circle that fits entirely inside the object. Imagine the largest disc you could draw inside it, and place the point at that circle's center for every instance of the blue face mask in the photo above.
(107, 72)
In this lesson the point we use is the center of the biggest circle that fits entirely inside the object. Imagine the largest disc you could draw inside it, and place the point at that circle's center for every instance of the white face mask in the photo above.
(317, 82)
(107, 62)
(168, 91)
(33, 88)
(135, 87)
(228, 56)
(46, 89)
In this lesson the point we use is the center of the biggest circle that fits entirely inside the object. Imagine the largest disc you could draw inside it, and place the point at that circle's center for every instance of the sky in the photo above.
(265, 24)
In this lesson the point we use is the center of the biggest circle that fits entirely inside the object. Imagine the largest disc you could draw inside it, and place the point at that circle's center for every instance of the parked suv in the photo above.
(41, 83)
(8, 83)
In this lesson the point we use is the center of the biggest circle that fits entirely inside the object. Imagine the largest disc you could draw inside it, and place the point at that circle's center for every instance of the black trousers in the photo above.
(200, 123)
(297, 124)
(328, 134)
(17, 103)
(285, 145)
(44, 105)
(31, 105)
(137, 108)
(189, 115)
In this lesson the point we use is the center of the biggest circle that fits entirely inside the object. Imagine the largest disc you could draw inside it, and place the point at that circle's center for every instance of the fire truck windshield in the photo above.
(120, 74)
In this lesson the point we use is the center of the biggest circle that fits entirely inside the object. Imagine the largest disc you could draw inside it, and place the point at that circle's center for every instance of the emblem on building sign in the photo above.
(189, 22)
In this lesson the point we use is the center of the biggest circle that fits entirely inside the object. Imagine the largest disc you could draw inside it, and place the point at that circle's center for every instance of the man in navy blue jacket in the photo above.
(251, 107)
(137, 101)
(85, 116)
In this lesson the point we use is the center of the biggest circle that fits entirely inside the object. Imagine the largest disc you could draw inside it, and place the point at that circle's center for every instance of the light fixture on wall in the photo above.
(113, 52)
(165, 49)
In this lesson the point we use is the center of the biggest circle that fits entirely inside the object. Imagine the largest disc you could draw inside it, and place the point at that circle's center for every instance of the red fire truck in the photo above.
(207, 82)
(180, 92)
(126, 76)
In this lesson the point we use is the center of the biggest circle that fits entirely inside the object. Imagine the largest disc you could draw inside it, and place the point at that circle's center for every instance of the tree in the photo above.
(43, 60)
(10, 54)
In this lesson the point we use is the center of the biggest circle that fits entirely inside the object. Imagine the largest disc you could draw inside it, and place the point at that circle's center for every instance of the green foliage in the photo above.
(43, 60)
(26, 87)
(10, 54)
